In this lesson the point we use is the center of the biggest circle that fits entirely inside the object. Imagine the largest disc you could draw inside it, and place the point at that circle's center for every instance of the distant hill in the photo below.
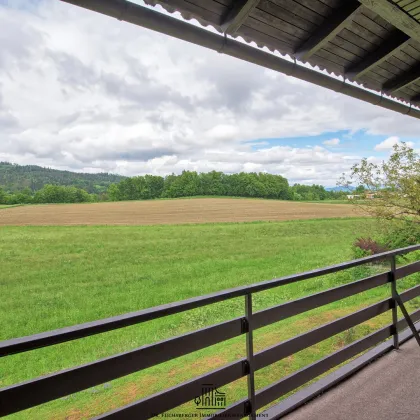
(16, 178)
(338, 189)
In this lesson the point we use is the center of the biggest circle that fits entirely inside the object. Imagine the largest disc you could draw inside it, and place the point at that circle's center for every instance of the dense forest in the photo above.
(14, 178)
(41, 185)
(190, 184)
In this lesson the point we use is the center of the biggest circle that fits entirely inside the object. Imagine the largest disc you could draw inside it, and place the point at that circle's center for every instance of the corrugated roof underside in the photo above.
(283, 25)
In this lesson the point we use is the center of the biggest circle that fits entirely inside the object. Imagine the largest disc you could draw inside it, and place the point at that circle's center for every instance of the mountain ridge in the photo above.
(339, 189)
(14, 177)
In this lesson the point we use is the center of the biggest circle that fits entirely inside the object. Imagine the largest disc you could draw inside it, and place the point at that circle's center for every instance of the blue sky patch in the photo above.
(344, 141)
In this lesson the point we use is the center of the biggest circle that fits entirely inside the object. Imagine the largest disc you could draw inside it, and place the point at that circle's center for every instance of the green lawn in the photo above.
(53, 277)
(344, 201)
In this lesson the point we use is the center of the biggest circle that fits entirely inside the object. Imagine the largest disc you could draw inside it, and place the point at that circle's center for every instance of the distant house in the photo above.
(367, 195)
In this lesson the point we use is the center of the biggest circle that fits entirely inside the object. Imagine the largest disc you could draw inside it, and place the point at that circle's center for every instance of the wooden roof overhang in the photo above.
(375, 43)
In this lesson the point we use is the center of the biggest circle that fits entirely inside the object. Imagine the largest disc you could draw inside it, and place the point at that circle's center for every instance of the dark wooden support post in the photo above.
(250, 356)
(393, 279)
(328, 30)
(408, 318)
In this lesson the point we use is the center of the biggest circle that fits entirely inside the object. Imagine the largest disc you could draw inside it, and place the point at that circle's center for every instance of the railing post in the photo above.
(250, 356)
(394, 302)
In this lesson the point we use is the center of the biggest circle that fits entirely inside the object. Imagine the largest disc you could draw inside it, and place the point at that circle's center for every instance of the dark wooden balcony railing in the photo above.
(41, 390)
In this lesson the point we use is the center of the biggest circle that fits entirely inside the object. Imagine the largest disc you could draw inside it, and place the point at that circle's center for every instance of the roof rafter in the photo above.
(395, 41)
(237, 15)
(403, 80)
(328, 30)
(389, 11)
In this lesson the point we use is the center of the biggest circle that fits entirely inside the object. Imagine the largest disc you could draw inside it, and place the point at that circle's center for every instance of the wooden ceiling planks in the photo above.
(274, 32)
(308, 23)
(394, 14)
(412, 7)
(403, 80)
(237, 14)
(277, 22)
(333, 24)
(298, 10)
(378, 57)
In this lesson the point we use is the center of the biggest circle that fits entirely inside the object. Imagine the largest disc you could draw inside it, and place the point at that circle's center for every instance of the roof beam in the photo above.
(403, 80)
(393, 14)
(328, 30)
(392, 44)
(237, 15)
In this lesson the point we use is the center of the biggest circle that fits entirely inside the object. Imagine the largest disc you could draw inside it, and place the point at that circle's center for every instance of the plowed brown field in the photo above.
(199, 210)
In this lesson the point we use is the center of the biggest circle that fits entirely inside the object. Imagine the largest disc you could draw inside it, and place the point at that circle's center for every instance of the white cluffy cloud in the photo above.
(390, 142)
(332, 142)
(85, 92)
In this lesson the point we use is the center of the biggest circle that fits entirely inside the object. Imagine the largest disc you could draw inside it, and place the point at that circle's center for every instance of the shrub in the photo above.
(401, 234)
(364, 247)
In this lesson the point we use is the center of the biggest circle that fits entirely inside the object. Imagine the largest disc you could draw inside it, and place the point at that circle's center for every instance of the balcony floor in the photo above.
(389, 388)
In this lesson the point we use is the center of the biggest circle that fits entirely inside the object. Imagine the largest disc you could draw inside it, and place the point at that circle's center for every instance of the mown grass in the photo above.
(343, 201)
(53, 277)
(8, 206)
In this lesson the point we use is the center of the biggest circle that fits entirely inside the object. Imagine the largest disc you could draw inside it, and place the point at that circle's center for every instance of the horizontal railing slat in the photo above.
(296, 344)
(408, 269)
(178, 395)
(402, 323)
(77, 379)
(307, 339)
(283, 349)
(306, 394)
(62, 335)
(410, 293)
(367, 341)
(41, 390)
(38, 391)
(237, 410)
(286, 310)
(296, 379)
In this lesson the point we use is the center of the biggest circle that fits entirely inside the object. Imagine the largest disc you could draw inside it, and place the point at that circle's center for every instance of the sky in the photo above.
(85, 92)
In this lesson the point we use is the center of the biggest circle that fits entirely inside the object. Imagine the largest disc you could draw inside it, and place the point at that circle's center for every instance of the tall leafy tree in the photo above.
(394, 185)
(392, 189)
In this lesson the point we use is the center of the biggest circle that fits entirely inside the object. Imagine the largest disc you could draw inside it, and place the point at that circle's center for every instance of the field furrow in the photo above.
(199, 210)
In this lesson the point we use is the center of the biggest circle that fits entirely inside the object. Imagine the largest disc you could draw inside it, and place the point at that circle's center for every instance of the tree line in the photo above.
(187, 184)
(47, 194)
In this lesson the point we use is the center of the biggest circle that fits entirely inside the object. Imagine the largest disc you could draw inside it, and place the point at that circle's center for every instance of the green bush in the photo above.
(394, 235)
(401, 234)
